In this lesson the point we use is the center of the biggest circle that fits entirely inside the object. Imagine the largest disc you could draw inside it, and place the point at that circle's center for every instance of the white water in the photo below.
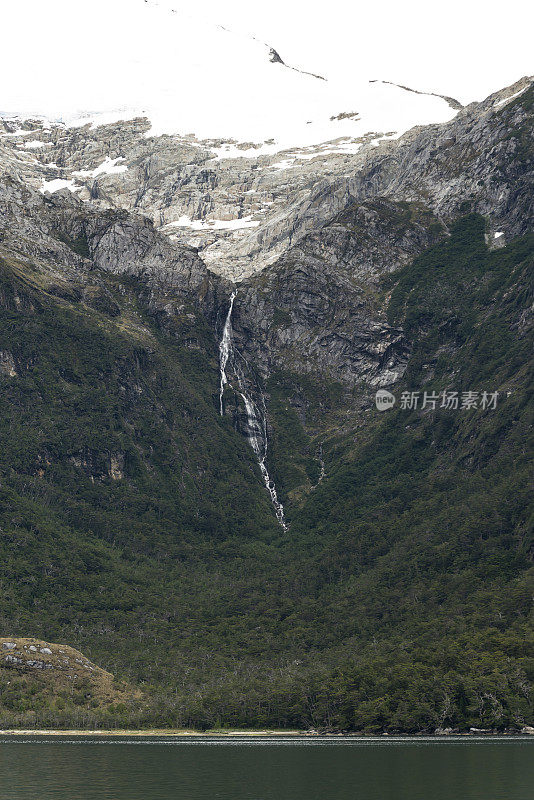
(256, 419)
(224, 349)
(322, 471)
(257, 437)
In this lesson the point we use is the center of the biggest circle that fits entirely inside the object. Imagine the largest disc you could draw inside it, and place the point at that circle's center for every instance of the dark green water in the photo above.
(318, 769)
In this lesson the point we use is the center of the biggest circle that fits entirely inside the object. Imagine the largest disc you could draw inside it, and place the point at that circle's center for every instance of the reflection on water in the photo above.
(259, 769)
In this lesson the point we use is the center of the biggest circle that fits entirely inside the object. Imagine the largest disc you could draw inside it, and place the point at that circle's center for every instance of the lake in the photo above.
(285, 768)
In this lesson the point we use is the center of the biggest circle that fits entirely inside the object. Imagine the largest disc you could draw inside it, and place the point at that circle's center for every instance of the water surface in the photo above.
(265, 769)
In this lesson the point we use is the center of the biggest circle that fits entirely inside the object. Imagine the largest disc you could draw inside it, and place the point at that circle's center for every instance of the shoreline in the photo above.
(148, 733)
(272, 734)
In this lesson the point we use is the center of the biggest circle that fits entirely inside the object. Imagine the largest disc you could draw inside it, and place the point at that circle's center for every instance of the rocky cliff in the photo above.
(243, 211)
(127, 473)
(329, 224)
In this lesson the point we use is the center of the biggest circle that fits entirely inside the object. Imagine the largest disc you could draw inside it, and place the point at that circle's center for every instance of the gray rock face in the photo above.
(7, 364)
(243, 211)
(327, 224)
(307, 241)
(25, 662)
(23, 655)
(317, 310)
(59, 229)
(131, 246)
(471, 161)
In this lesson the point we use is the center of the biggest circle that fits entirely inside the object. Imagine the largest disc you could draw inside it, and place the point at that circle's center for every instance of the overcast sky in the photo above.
(63, 58)
(466, 48)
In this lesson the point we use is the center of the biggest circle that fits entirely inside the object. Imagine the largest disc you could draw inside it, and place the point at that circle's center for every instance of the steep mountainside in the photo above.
(242, 207)
(146, 401)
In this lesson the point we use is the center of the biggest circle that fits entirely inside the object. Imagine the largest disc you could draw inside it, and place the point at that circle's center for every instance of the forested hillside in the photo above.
(136, 526)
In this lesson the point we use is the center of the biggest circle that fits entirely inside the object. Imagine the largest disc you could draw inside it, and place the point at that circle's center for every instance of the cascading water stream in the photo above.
(257, 437)
(322, 471)
(224, 349)
(256, 420)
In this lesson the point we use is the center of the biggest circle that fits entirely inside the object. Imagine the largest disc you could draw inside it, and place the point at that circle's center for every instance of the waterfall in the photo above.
(256, 418)
(257, 437)
(224, 349)
(322, 471)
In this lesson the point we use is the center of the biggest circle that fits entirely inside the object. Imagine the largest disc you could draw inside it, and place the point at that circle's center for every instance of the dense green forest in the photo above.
(135, 525)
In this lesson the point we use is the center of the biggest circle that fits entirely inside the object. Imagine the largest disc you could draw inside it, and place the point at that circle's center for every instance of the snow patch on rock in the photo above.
(59, 183)
(213, 224)
(109, 166)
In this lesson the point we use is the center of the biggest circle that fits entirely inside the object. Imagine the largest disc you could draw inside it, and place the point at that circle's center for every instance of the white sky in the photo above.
(63, 57)
(463, 48)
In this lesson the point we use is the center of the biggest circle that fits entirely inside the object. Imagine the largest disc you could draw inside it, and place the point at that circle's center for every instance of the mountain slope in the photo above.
(360, 581)
(135, 522)
(243, 208)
